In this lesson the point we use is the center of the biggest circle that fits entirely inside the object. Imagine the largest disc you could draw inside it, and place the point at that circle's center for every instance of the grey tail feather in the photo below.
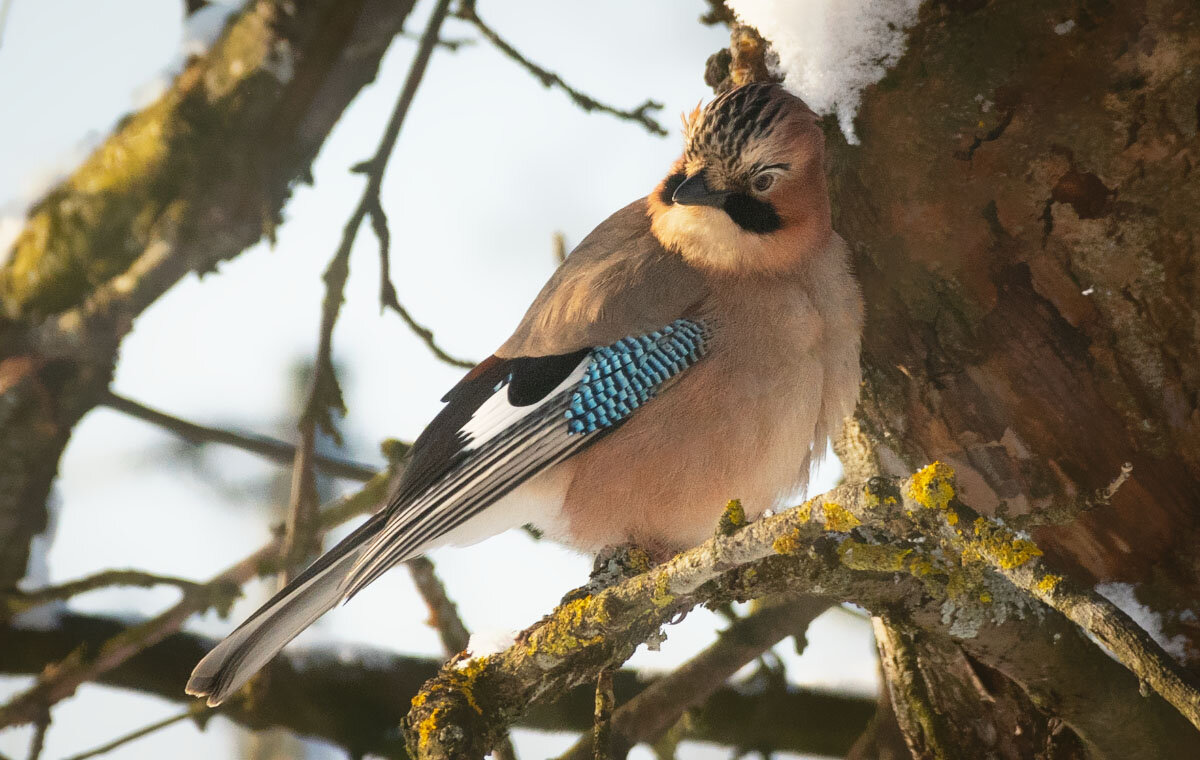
(235, 660)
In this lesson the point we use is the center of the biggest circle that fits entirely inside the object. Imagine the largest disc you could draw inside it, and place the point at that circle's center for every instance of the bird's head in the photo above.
(748, 195)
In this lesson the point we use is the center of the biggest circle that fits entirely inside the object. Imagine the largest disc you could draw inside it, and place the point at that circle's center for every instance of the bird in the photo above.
(699, 345)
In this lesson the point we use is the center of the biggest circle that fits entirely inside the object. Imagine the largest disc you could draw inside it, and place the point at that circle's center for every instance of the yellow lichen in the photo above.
(839, 519)
(920, 566)
(933, 486)
(788, 543)
(662, 596)
(876, 557)
(733, 518)
(985, 597)
(638, 559)
(1000, 546)
(1048, 583)
(454, 680)
(804, 512)
(569, 628)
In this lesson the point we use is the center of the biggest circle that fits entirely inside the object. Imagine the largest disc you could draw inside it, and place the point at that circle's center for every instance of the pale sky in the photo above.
(489, 165)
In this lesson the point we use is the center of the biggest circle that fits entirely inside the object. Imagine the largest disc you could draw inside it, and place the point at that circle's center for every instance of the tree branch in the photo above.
(387, 291)
(869, 545)
(355, 699)
(17, 601)
(188, 182)
(61, 680)
(649, 715)
(144, 731)
(640, 115)
(280, 452)
(325, 393)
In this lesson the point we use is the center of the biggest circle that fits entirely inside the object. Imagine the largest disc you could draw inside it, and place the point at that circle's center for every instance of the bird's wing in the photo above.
(619, 281)
(604, 337)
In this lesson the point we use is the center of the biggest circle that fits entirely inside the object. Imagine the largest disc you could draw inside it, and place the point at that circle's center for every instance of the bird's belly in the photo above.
(728, 430)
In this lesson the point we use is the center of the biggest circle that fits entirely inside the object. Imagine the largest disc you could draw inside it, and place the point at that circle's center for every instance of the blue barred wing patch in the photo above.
(621, 377)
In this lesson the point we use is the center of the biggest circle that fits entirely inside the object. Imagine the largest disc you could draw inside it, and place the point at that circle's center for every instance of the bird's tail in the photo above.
(231, 663)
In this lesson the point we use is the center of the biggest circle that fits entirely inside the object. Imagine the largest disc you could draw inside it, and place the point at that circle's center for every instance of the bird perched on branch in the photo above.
(699, 345)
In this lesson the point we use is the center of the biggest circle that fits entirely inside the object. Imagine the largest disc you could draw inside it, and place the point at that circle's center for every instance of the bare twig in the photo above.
(452, 45)
(560, 247)
(38, 742)
(443, 615)
(16, 602)
(602, 722)
(325, 394)
(1106, 495)
(61, 680)
(107, 747)
(650, 714)
(273, 449)
(640, 115)
(387, 291)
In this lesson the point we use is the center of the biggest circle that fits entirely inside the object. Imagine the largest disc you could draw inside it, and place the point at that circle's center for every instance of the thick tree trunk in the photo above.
(1024, 209)
(1026, 216)
(192, 180)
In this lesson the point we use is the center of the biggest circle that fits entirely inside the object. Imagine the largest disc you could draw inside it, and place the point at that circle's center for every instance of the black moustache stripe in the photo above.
(752, 214)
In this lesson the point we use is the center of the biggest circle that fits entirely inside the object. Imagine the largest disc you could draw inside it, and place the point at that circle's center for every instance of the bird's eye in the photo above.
(763, 182)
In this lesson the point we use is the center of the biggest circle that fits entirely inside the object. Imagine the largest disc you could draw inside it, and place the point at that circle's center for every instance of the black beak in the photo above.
(694, 191)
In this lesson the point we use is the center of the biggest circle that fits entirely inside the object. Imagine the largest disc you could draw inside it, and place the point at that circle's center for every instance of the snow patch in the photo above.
(830, 50)
(488, 643)
(1124, 596)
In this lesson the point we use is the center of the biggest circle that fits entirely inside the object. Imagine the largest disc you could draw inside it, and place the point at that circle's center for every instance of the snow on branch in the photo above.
(829, 51)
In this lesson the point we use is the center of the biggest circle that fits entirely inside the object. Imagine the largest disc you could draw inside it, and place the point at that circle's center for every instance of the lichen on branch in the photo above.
(906, 546)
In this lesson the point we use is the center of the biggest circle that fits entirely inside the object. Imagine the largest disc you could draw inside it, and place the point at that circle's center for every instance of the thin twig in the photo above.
(452, 45)
(649, 715)
(387, 291)
(38, 743)
(61, 680)
(560, 247)
(139, 733)
(602, 728)
(16, 602)
(325, 394)
(443, 615)
(640, 115)
(273, 449)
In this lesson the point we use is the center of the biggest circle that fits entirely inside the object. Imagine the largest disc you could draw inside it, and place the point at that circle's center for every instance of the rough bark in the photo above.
(1023, 205)
(1023, 208)
(192, 180)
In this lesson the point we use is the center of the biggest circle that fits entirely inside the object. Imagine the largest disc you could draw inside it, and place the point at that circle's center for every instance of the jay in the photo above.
(701, 344)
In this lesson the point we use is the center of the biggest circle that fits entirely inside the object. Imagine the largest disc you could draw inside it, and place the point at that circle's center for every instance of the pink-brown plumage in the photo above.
(717, 323)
